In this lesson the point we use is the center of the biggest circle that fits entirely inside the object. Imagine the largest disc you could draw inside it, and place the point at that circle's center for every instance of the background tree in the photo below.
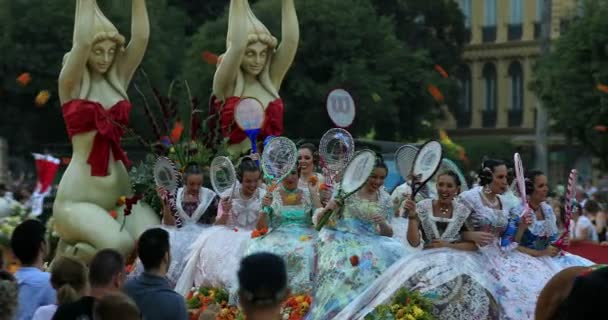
(570, 80)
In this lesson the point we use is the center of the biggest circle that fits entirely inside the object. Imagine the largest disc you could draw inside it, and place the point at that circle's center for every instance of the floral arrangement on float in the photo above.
(405, 305)
(17, 214)
(179, 132)
(296, 307)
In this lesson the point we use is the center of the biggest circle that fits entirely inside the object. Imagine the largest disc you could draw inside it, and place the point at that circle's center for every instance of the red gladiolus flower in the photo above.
(210, 58)
(24, 79)
(602, 87)
(601, 128)
(441, 71)
(436, 93)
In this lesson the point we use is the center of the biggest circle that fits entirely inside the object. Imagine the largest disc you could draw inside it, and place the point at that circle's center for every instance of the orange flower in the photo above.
(354, 261)
(176, 133)
(602, 87)
(441, 71)
(255, 234)
(324, 187)
(436, 93)
(113, 214)
(42, 98)
(313, 180)
(210, 58)
(601, 128)
(24, 79)
(121, 200)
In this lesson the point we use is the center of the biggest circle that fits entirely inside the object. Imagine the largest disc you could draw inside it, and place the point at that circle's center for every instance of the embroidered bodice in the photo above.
(298, 215)
(202, 211)
(84, 116)
(540, 233)
(355, 216)
(245, 212)
(433, 227)
(273, 119)
(482, 217)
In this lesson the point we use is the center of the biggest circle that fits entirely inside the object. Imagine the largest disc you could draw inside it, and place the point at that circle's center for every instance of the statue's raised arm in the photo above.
(140, 34)
(253, 67)
(290, 31)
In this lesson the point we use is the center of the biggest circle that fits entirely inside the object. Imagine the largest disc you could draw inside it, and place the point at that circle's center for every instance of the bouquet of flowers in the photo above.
(405, 305)
(296, 307)
(211, 303)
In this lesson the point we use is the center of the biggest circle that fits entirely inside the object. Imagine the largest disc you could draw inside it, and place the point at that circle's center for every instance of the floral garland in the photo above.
(296, 307)
(405, 305)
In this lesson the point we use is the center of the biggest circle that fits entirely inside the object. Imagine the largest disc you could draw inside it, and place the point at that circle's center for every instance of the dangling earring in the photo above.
(486, 189)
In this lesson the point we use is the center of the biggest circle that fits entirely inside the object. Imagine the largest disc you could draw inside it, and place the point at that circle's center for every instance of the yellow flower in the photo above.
(172, 150)
(410, 317)
(299, 299)
(417, 311)
(121, 200)
(42, 98)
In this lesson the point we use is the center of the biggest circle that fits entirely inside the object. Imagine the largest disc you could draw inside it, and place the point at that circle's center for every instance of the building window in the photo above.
(463, 115)
(515, 24)
(489, 21)
(516, 104)
(467, 11)
(490, 96)
(538, 18)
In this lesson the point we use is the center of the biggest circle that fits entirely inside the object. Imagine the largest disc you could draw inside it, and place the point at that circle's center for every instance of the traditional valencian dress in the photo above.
(450, 278)
(215, 256)
(518, 277)
(542, 233)
(351, 254)
(291, 237)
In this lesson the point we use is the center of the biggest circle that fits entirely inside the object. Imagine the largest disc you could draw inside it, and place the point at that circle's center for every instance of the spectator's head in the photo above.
(153, 250)
(28, 243)
(8, 296)
(585, 300)
(591, 207)
(116, 306)
(69, 278)
(555, 292)
(262, 285)
(107, 270)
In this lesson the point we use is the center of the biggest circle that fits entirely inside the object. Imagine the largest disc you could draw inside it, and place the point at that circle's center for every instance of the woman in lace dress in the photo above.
(214, 257)
(537, 231)
(517, 277)
(291, 235)
(196, 208)
(356, 247)
(446, 271)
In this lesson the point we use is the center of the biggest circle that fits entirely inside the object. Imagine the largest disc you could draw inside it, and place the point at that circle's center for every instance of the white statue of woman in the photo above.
(254, 67)
(92, 90)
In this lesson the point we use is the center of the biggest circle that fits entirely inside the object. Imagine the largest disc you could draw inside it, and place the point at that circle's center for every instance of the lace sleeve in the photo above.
(386, 206)
(551, 221)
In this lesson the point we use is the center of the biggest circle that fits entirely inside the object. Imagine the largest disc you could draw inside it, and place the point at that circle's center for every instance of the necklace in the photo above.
(491, 203)
(444, 210)
(290, 191)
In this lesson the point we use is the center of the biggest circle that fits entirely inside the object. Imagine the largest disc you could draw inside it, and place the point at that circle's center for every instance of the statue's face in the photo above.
(255, 58)
(102, 56)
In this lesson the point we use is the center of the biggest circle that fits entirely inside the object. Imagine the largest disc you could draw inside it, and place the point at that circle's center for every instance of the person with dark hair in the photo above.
(106, 276)
(116, 306)
(69, 278)
(262, 286)
(215, 257)
(537, 227)
(9, 296)
(360, 234)
(150, 290)
(308, 161)
(29, 246)
(585, 300)
(287, 212)
(518, 277)
(598, 218)
(194, 211)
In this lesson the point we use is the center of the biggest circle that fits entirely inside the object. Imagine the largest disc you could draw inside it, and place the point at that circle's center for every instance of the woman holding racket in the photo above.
(356, 247)
(446, 270)
(308, 159)
(517, 277)
(537, 228)
(215, 256)
(291, 234)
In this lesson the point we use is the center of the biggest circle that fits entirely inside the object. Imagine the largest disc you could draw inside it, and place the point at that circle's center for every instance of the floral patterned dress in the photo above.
(351, 255)
(517, 277)
(542, 233)
(449, 277)
(291, 237)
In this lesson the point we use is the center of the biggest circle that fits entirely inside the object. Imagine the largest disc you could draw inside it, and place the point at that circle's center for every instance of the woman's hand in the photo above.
(332, 205)
(409, 206)
(526, 219)
(479, 237)
(267, 200)
(437, 243)
(226, 206)
(377, 218)
(550, 251)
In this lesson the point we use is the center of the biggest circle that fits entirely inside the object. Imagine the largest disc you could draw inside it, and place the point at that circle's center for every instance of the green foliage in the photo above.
(479, 147)
(567, 80)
